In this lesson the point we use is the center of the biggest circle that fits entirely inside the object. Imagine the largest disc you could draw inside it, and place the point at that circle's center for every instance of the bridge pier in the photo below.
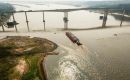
(44, 22)
(14, 21)
(3, 28)
(105, 18)
(65, 19)
(27, 21)
(122, 17)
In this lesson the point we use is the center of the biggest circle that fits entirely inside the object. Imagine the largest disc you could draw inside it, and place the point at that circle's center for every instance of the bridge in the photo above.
(105, 11)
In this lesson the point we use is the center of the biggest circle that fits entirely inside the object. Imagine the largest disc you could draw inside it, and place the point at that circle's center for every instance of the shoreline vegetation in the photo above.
(21, 57)
(4, 17)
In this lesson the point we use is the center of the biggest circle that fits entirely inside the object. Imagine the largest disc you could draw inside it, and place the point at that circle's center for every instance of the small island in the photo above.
(21, 57)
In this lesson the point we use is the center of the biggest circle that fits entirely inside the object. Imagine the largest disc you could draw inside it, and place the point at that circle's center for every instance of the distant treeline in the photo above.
(116, 4)
(4, 9)
(122, 6)
(112, 4)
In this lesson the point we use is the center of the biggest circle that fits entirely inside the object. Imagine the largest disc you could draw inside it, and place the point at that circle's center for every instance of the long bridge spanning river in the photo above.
(104, 18)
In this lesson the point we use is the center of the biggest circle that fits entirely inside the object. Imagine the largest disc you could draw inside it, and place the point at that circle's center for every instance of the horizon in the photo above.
(63, 0)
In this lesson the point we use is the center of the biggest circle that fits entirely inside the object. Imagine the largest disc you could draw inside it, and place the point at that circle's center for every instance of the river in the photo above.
(101, 56)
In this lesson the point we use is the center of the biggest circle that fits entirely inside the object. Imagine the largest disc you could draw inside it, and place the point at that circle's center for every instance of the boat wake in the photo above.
(75, 65)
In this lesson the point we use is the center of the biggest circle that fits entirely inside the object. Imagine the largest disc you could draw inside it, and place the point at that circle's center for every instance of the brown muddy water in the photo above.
(103, 55)
(102, 59)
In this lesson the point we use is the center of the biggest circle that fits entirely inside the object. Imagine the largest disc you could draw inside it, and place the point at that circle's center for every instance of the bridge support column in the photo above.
(65, 19)
(27, 21)
(122, 17)
(14, 21)
(3, 28)
(44, 22)
(105, 18)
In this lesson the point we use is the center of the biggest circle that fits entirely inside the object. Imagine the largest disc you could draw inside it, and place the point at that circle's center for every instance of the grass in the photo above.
(33, 72)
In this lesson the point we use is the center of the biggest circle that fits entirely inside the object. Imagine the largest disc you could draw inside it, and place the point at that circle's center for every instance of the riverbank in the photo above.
(20, 56)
